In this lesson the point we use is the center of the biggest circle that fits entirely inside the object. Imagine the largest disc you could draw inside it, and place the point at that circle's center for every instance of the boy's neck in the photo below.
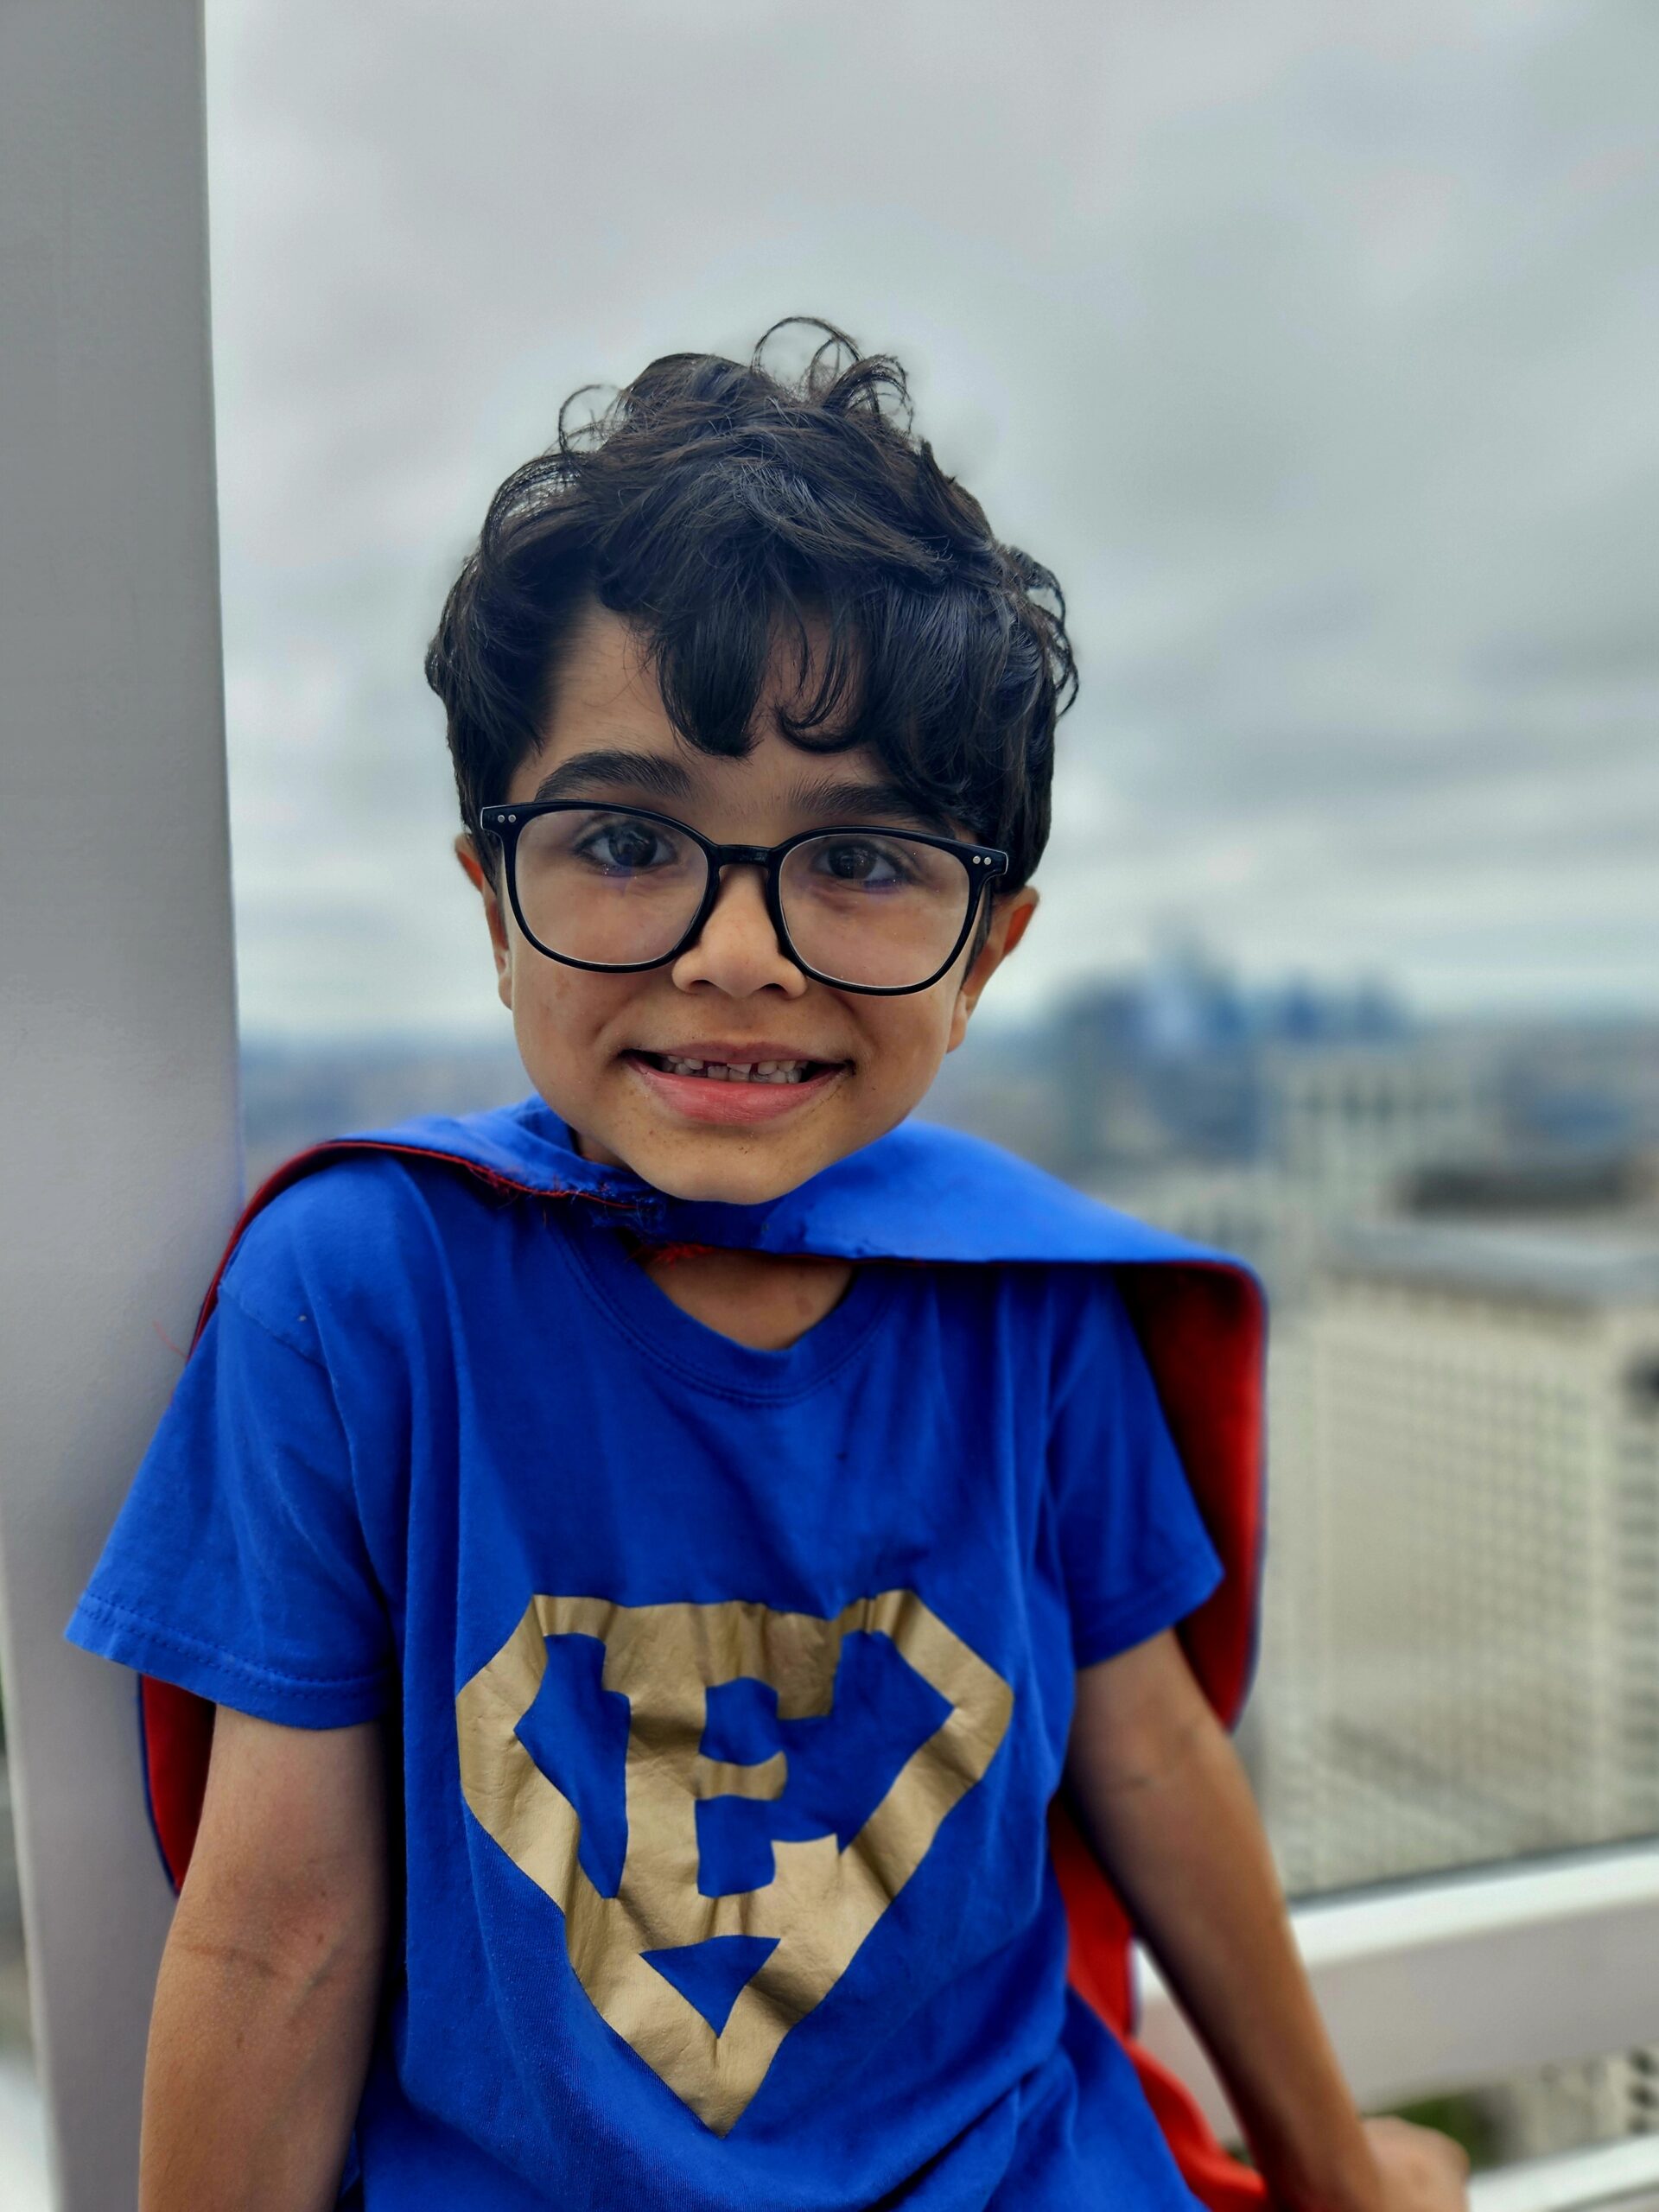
(767, 1300)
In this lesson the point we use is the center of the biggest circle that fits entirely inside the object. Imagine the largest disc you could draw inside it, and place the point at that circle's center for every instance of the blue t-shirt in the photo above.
(730, 1689)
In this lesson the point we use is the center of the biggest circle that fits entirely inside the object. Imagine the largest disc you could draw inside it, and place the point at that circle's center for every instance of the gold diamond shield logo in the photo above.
(823, 1900)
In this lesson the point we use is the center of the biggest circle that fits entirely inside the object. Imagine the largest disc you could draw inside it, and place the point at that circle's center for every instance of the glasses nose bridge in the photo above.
(720, 858)
(724, 856)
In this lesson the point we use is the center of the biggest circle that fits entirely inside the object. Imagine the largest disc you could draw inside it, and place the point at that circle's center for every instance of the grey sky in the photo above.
(1313, 345)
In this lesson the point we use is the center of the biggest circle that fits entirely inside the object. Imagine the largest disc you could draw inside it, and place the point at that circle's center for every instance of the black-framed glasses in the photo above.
(621, 888)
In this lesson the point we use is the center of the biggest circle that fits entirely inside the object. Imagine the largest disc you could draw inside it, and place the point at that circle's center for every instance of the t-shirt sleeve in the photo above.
(1134, 1552)
(238, 1565)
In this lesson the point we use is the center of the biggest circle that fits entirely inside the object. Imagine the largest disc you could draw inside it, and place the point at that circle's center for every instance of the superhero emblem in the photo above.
(803, 1925)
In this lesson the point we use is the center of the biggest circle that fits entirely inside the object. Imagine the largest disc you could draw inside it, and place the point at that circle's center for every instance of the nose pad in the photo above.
(738, 949)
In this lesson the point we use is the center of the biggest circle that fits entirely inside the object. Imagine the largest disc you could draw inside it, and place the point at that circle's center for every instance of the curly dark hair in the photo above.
(716, 506)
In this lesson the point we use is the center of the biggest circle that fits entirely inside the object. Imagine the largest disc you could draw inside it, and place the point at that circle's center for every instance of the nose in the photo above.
(737, 949)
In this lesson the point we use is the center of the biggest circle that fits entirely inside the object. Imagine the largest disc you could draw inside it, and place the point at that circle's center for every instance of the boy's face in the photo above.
(732, 995)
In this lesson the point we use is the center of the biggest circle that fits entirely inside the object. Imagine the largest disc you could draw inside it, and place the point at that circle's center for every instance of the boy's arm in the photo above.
(269, 1982)
(1164, 1801)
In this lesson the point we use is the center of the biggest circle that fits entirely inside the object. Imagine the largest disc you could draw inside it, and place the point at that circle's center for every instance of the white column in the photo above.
(120, 1165)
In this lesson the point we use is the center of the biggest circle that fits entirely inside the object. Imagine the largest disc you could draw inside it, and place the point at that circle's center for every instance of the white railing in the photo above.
(1619, 2176)
(1461, 1978)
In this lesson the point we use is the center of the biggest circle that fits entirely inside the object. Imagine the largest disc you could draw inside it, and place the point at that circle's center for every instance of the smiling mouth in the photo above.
(780, 1071)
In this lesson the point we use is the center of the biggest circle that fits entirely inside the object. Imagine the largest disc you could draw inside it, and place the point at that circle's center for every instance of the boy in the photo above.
(646, 1620)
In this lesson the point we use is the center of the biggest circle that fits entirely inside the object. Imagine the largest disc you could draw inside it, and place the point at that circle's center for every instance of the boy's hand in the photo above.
(1421, 2170)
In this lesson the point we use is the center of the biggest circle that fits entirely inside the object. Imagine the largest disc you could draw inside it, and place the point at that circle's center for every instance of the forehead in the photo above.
(603, 682)
(605, 686)
(606, 733)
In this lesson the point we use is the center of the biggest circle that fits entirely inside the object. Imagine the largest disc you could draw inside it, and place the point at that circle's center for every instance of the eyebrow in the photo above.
(666, 778)
(640, 772)
(832, 795)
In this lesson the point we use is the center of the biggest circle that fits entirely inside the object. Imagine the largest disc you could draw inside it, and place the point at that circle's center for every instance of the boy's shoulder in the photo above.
(320, 1241)
(359, 1224)
(350, 1210)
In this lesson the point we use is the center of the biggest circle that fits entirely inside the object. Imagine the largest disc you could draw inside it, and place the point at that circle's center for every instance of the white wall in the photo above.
(118, 1167)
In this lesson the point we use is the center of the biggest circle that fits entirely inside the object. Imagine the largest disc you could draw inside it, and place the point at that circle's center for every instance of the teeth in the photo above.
(737, 1070)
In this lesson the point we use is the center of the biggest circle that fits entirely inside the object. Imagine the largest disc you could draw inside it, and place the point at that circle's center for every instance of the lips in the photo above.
(792, 1081)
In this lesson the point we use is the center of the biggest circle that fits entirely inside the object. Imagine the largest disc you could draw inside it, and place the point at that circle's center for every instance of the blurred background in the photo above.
(1311, 345)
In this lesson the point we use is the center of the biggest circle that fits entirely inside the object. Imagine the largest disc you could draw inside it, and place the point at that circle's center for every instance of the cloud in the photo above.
(1311, 345)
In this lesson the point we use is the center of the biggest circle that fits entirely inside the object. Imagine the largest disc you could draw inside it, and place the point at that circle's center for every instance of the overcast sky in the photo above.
(1313, 345)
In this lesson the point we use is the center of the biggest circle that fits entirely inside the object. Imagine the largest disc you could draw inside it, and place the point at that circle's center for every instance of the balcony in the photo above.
(1464, 1421)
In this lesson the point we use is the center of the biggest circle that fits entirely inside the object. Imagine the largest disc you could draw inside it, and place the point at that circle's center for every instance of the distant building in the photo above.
(1579, 1086)
(1465, 1529)
(1179, 1065)
(1352, 1121)
(1460, 1649)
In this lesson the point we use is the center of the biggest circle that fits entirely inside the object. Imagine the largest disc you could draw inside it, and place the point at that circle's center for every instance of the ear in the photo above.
(479, 876)
(1010, 919)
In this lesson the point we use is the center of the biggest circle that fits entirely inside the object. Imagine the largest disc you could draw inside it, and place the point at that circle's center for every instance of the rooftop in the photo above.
(1596, 1261)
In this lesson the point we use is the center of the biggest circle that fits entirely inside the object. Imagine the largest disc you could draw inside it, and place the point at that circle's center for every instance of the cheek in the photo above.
(567, 1005)
(910, 1033)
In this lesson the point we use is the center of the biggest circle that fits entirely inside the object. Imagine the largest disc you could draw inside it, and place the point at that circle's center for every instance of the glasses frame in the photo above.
(983, 865)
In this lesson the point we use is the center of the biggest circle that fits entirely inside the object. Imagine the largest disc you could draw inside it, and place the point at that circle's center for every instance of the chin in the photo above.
(738, 1179)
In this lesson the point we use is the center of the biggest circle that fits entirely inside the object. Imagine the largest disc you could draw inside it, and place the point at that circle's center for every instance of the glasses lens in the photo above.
(873, 906)
(601, 884)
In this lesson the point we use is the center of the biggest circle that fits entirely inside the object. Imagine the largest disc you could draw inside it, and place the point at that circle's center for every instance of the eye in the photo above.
(626, 848)
(863, 863)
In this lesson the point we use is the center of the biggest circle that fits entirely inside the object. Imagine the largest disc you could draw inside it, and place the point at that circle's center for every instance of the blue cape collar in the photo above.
(920, 1193)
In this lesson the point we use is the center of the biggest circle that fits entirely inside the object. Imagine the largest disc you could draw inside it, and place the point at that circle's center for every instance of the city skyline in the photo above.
(1003, 1019)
